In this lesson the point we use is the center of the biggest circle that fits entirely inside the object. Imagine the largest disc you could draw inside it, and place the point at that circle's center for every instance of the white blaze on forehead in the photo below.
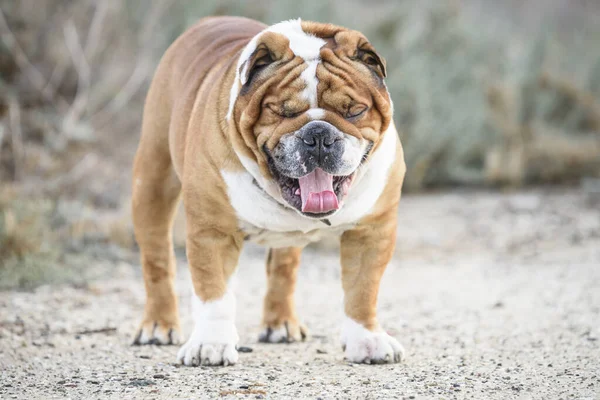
(316, 113)
(302, 44)
(310, 77)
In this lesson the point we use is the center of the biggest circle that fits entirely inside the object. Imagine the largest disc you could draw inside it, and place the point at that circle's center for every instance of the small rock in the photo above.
(591, 336)
(140, 382)
(245, 349)
(159, 376)
(319, 351)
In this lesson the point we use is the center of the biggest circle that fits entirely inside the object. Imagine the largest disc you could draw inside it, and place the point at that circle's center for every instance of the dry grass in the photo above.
(25, 258)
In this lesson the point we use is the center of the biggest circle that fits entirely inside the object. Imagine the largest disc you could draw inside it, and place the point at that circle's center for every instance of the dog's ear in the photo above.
(270, 47)
(258, 60)
(367, 54)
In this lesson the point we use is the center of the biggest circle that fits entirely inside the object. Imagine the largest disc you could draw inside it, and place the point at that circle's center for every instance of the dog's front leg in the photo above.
(366, 251)
(213, 252)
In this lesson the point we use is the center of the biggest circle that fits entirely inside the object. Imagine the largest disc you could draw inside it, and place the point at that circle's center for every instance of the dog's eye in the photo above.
(355, 111)
(283, 111)
(290, 113)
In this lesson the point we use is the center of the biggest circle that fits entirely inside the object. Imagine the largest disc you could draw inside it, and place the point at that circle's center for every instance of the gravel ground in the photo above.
(494, 296)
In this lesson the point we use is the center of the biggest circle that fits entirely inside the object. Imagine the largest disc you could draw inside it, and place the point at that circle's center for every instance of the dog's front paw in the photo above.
(213, 342)
(370, 347)
(214, 339)
(288, 332)
(193, 354)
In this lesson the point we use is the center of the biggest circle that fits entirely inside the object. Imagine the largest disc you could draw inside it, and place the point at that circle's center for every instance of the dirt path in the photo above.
(493, 296)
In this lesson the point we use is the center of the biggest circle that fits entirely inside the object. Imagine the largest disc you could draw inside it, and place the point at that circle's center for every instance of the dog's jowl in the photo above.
(279, 135)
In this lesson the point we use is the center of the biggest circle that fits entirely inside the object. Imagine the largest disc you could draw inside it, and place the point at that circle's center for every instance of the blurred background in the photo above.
(488, 94)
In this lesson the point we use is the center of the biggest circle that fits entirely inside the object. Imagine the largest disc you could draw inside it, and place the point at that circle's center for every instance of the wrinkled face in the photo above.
(309, 106)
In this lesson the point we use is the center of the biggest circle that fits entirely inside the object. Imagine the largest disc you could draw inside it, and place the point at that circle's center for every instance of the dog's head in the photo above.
(308, 106)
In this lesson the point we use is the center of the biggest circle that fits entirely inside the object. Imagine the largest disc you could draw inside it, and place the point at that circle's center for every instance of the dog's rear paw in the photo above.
(153, 332)
(288, 332)
(364, 346)
(193, 354)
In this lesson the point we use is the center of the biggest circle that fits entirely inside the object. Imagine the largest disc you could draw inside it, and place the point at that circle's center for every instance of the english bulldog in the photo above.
(277, 135)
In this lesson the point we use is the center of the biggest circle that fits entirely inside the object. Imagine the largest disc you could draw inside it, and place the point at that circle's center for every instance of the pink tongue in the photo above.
(316, 191)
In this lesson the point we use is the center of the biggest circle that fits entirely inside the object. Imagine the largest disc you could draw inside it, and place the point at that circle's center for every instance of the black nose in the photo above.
(320, 142)
(318, 135)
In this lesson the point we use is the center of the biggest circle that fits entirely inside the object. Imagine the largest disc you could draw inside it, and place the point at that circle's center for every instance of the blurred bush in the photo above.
(485, 93)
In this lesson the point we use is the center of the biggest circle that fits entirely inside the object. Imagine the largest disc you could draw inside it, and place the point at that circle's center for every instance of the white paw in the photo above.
(214, 339)
(194, 354)
(364, 346)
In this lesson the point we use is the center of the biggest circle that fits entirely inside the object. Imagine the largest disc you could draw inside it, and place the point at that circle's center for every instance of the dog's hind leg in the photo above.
(280, 323)
(156, 192)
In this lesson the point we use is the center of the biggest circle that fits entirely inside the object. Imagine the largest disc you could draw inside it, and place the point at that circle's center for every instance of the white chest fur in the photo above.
(276, 239)
(266, 221)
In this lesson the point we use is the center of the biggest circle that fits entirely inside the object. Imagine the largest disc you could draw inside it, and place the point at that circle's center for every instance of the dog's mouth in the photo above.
(317, 194)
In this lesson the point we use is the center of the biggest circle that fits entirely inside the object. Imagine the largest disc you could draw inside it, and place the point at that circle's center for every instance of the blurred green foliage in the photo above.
(475, 95)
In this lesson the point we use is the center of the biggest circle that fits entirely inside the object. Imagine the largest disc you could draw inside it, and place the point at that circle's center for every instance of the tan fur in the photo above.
(192, 80)
(186, 142)
(367, 250)
(279, 306)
